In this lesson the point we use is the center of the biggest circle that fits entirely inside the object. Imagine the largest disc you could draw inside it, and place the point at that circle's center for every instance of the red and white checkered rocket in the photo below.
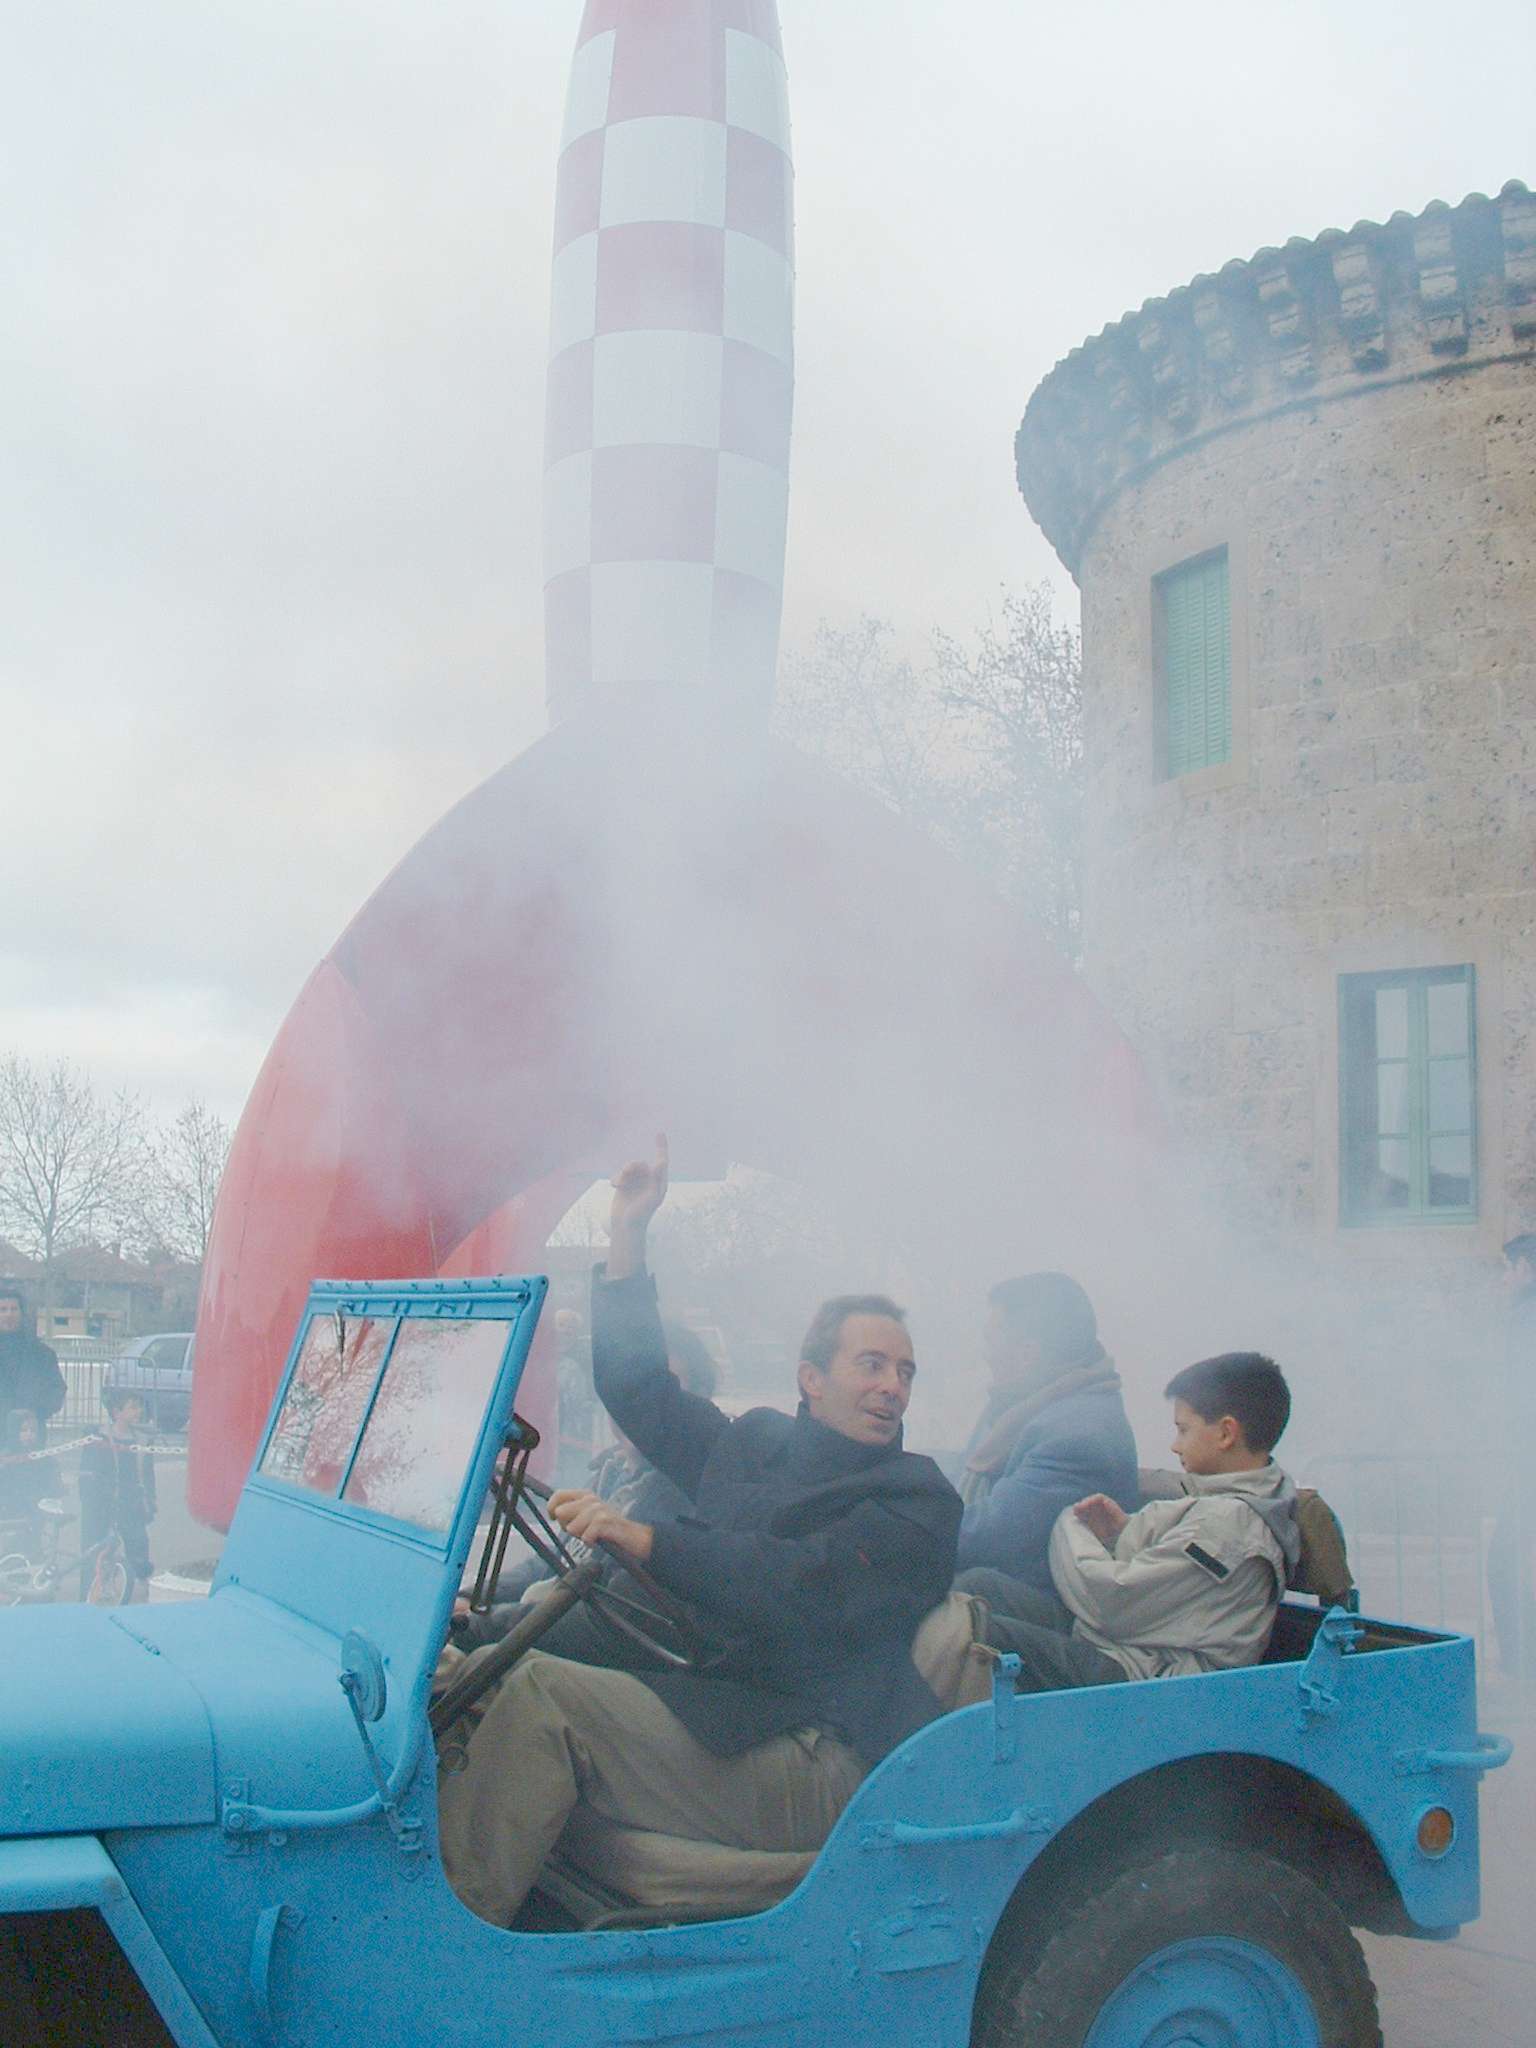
(633, 926)
(671, 356)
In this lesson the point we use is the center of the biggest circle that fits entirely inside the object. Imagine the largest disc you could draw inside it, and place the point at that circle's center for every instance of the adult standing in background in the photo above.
(1511, 1563)
(1053, 1431)
(29, 1369)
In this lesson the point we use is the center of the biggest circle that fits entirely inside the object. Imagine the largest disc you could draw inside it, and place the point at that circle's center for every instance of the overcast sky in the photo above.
(271, 387)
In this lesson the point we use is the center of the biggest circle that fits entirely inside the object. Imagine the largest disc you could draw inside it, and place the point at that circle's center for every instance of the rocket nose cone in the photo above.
(671, 355)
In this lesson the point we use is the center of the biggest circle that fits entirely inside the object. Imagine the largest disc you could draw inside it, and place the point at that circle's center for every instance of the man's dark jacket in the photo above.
(819, 1556)
(29, 1375)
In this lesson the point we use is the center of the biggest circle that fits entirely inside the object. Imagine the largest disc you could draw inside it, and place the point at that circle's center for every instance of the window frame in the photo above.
(1358, 1085)
(1161, 582)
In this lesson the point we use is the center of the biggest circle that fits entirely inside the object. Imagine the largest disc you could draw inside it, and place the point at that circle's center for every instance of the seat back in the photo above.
(643, 1876)
(951, 1652)
(1323, 1568)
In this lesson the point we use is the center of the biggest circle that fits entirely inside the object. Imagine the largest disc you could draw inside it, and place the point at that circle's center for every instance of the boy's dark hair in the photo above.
(1243, 1384)
(1051, 1310)
(116, 1399)
(694, 1366)
(1518, 1248)
(821, 1339)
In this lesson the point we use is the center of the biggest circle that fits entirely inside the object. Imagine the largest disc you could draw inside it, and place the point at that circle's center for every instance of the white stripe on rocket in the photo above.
(656, 386)
(573, 294)
(586, 97)
(759, 296)
(756, 88)
(651, 622)
(664, 167)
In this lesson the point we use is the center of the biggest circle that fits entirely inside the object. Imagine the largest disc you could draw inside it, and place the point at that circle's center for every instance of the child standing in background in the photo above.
(117, 1488)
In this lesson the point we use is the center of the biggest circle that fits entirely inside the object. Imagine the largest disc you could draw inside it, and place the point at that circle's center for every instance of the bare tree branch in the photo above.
(1019, 688)
(71, 1162)
(870, 715)
(983, 749)
(188, 1163)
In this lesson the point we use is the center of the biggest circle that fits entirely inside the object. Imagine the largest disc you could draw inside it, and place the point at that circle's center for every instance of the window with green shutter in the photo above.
(1194, 640)
(1408, 1096)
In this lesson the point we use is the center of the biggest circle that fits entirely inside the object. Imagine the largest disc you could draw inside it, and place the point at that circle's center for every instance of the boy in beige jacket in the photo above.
(1187, 1584)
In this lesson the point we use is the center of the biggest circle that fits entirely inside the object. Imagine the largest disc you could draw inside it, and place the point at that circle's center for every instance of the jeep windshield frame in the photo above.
(394, 1394)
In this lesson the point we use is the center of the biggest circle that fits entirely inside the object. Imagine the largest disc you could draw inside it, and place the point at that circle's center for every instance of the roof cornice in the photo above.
(1377, 303)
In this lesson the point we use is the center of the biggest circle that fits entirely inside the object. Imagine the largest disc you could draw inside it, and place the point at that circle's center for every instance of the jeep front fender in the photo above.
(63, 1873)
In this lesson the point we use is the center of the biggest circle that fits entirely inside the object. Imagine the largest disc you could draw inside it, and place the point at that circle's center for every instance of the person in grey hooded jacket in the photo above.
(1187, 1584)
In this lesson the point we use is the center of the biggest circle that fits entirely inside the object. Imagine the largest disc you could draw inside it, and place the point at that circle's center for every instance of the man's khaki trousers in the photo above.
(558, 1732)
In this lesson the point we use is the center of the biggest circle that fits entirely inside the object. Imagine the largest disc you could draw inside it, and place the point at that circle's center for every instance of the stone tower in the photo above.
(1299, 497)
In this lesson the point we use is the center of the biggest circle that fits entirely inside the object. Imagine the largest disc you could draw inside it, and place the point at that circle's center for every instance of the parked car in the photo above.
(222, 1828)
(159, 1370)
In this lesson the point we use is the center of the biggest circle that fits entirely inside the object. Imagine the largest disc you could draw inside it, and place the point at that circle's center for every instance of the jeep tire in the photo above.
(1206, 1909)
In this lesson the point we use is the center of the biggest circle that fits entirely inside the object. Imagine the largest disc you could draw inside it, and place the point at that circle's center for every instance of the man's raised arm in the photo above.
(676, 1430)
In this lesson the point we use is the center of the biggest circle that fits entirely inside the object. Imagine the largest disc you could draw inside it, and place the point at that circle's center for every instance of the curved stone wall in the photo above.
(1351, 310)
(1354, 420)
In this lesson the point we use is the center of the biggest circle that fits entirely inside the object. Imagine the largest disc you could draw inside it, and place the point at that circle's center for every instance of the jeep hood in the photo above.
(97, 1730)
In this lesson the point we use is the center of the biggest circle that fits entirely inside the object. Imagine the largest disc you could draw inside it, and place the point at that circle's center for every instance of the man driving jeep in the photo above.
(816, 1547)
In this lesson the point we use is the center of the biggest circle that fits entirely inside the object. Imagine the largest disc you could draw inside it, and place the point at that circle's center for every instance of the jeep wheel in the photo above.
(65, 1983)
(1217, 1948)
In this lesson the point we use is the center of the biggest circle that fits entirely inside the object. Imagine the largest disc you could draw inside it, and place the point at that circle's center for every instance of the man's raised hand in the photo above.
(639, 1190)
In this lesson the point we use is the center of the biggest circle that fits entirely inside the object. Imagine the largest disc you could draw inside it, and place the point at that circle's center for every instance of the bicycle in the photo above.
(25, 1581)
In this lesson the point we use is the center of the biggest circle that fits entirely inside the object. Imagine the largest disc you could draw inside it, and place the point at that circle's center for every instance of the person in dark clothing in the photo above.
(1512, 1546)
(117, 1488)
(816, 1543)
(28, 1477)
(29, 1368)
(1053, 1431)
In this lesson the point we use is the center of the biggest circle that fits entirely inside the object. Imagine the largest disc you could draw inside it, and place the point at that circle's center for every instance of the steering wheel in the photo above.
(659, 1625)
(469, 1687)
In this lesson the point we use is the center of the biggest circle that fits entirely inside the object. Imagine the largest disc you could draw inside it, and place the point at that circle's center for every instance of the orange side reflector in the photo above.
(1437, 1831)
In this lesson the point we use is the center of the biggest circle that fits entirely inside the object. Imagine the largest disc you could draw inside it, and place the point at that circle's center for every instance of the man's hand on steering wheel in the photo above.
(597, 1524)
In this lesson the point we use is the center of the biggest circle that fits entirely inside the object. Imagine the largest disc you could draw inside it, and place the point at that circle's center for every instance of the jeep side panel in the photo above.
(345, 1934)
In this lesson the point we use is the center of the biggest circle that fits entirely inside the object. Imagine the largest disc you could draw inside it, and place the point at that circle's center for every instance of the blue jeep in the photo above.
(218, 1819)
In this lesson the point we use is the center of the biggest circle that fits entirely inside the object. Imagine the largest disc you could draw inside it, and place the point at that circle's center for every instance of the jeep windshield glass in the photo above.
(396, 1443)
(327, 1399)
(422, 1426)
